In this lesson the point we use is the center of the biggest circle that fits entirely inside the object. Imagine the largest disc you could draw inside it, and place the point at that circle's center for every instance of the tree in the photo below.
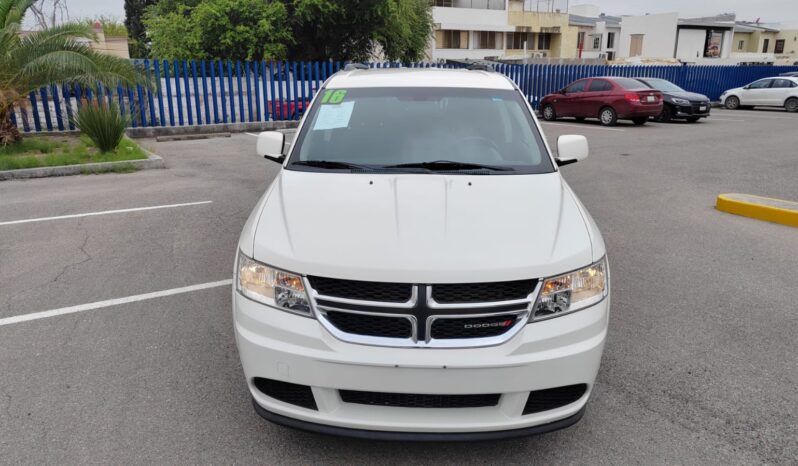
(138, 45)
(234, 29)
(52, 55)
(356, 29)
(293, 29)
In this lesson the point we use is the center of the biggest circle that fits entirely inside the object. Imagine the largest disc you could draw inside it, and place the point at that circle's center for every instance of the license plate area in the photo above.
(702, 108)
(651, 98)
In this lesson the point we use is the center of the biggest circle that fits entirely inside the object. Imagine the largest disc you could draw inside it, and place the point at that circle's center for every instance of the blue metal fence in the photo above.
(191, 92)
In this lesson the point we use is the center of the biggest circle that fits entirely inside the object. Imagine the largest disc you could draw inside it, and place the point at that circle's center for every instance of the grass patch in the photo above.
(53, 151)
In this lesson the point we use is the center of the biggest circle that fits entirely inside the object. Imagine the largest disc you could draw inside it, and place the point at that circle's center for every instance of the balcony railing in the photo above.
(476, 4)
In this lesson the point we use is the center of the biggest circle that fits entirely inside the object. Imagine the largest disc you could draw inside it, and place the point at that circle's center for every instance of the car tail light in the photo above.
(632, 97)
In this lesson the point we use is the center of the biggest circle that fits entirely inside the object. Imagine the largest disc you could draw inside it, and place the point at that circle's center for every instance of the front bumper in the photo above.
(694, 110)
(552, 353)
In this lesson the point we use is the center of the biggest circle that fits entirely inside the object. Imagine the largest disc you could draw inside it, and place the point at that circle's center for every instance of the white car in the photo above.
(780, 91)
(419, 269)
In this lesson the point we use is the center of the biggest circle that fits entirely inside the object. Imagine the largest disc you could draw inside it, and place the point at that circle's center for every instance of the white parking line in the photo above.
(724, 119)
(581, 126)
(111, 302)
(251, 134)
(103, 212)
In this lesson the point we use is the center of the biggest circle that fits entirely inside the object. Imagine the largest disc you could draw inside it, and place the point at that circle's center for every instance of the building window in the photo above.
(779, 46)
(741, 45)
(515, 40)
(610, 40)
(765, 45)
(597, 43)
(544, 40)
(713, 45)
(451, 39)
(444, 3)
(610, 56)
(488, 40)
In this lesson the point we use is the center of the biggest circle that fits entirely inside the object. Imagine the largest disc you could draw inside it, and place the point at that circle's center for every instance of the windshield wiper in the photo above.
(450, 165)
(331, 164)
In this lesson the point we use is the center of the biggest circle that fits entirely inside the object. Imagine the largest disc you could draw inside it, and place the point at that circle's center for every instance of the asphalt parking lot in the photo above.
(699, 368)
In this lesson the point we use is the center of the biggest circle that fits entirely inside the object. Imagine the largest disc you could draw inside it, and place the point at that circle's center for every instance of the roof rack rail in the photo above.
(355, 66)
(480, 67)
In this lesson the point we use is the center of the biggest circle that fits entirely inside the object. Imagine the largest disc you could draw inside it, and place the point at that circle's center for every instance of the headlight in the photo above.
(571, 292)
(270, 286)
(679, 101)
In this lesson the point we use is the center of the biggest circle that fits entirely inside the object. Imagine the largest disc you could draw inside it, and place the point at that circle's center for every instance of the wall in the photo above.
(470, 19)
(790, 37)
(659, 32)
(690, 44)
(590, 11)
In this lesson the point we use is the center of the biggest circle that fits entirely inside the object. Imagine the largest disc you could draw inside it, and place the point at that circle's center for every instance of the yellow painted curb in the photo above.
(760, 208)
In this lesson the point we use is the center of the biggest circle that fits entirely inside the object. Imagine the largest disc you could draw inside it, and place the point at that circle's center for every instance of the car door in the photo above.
(569, 102)
(595, 96)
(779, 91)
(756, 93)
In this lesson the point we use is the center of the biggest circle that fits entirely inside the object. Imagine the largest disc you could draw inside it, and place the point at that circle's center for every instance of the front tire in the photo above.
(608, 117)
(639, 121)
(732, 103)
(791, 105)
(548, 113)
(666, 115)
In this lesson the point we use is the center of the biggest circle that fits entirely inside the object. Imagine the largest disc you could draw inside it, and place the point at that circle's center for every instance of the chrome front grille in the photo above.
(469, 315)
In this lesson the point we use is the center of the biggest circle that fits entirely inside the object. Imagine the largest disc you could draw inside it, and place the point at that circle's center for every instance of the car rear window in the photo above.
(630, 84)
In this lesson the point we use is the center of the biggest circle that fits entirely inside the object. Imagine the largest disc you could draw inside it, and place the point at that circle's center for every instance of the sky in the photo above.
(770, 11)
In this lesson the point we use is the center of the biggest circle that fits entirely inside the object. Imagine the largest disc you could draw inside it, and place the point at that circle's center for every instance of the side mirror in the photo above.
(571, 148)
(270, 146)
(562, 91)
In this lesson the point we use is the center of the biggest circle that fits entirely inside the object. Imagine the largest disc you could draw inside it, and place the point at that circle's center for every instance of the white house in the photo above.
(649, 36)
(602, 40)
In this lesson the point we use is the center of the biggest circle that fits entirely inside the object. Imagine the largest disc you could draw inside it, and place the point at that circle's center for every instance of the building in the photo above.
(507, 29)
(469, 29)
(666, 37)
(704, 39)
(598, 36)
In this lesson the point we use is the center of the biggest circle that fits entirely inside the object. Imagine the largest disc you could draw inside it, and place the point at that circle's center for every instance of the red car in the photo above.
(607, 98)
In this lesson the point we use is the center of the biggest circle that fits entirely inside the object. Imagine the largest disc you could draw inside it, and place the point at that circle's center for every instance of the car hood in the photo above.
(691, 96)
(422, 228)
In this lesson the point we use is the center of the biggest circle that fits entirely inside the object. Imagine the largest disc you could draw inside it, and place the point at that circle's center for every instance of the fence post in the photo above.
(231, 91)
(205, 95)
(240, 89)
(249, 90)
(197, 106)
(256, 81)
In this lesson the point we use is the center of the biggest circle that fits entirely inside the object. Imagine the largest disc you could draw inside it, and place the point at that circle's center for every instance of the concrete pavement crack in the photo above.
(82, 249)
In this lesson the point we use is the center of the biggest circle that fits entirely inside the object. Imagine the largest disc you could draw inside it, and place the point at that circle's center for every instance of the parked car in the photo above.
(678, 104)
(768, 92)
(792, 74)
(607, 98)
(419, 268)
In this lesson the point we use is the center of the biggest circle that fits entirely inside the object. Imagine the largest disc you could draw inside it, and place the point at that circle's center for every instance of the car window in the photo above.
(630, 84)
(378, 127)
(782, 83)
(663, 85)
(598, 85)
(578, 86)
(761, 84)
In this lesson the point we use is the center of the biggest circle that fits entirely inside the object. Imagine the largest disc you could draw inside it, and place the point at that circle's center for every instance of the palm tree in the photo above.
(52, 55)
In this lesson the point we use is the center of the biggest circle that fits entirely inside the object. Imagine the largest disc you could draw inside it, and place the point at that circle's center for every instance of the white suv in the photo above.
(419, 269)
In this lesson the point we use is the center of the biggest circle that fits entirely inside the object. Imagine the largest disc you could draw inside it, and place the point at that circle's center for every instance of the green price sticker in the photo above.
(333, 96)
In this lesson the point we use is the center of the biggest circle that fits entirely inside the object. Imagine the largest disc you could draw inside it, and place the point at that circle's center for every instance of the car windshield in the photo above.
(663, 85)
(420, 130)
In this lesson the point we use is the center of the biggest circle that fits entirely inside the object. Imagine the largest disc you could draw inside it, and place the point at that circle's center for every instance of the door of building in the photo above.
(636, 45)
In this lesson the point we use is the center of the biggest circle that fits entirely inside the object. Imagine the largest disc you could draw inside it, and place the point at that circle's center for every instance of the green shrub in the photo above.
(103, 123)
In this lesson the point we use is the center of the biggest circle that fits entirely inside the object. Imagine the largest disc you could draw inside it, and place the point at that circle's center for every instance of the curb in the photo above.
(767, 209)
(152, 161)
(161, 131)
